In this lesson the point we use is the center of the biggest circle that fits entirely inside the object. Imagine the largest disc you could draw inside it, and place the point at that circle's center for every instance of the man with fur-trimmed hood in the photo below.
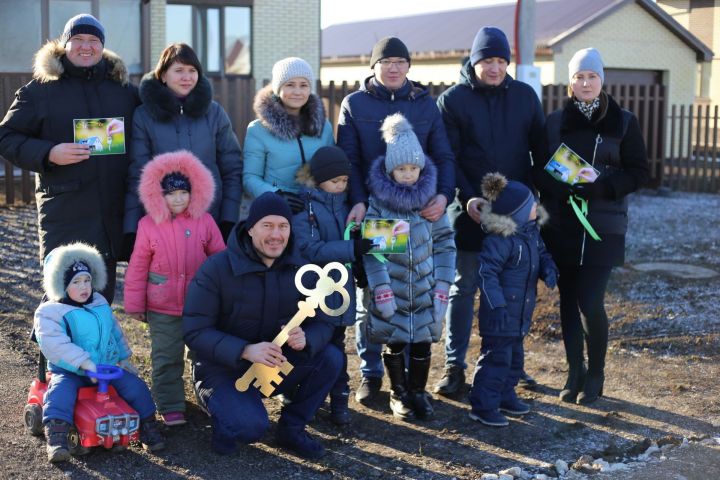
(79, 197)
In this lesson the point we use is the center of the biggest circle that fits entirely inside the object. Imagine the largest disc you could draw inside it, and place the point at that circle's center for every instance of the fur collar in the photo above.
(607, 120)
(304, 177)
(163, 105)
(61, 258)
(201, 183)
(48, 64)
(504, 225)
(272, 115)
(402, 198)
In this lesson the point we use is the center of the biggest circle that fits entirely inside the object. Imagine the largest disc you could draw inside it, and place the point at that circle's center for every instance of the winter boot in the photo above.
(400, 402)
(417, 380)
(368, 390)
(575, 382)
(452, 380)
(526, 381)
(592, 390)
(56, 433)
(339, 411)
(150, 437)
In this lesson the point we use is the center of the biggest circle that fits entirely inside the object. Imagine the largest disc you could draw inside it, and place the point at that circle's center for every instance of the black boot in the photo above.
(592, 390)
(400, 403)
(56, 434)
(452, 381)
(150, 437)
(339, 411)
(574, 384)
(417, 380)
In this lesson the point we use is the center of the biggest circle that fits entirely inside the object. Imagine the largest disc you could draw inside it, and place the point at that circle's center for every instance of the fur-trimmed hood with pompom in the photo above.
(494, 186)
(402, 198)
(151, 192)
(48, 65)
(280, 123)
(162, 104)
(61, 258)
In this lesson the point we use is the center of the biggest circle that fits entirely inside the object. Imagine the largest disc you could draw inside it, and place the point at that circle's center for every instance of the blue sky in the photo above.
(344, 11)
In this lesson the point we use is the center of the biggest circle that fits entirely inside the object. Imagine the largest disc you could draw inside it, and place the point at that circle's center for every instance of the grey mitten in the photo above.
(440, 299)
(385, 301)
(89, 366)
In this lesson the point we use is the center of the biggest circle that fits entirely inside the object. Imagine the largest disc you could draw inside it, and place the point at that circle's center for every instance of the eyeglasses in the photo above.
(385, 63)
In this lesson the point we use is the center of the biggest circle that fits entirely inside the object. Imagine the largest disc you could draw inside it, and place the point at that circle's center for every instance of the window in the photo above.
(219, 34)
(20, 33)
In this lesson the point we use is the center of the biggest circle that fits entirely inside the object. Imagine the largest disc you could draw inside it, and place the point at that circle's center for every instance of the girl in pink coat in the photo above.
(173, 240)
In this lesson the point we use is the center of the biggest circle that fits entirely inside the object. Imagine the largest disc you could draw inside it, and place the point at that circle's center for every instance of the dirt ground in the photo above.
(662, 371)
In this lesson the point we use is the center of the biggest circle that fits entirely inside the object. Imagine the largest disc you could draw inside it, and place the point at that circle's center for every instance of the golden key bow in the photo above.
(262, 376)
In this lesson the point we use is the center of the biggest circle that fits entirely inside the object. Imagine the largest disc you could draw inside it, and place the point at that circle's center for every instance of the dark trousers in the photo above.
(582, 315)
(241, 416)
(341, 387)
(497, 372)
(109, 290)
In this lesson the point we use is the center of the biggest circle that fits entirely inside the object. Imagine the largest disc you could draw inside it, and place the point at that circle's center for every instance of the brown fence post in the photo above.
(714, 167)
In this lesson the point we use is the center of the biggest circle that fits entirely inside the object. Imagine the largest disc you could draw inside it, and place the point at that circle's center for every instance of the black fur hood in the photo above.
(274, 117)
(163, 105)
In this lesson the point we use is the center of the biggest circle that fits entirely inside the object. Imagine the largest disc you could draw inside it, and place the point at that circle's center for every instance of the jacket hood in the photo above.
(608, 119)
(504, 225)
(410, 91)
(304, 178)
(61, 258)
(468, 77)
(402, 198)
(48, 64)
(280, 123)
(201, 183)
(163, 105)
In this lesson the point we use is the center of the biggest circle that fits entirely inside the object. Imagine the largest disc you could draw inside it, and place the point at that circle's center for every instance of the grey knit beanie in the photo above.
(586, 59)
(83, 23)
(288, 68)
(403, 146)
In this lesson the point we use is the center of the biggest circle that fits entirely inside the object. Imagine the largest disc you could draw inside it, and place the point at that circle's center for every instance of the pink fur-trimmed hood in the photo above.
(202, 184)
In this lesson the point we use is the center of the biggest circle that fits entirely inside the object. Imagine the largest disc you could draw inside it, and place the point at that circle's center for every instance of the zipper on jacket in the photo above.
(392, 96)
(311, 219)
(598, 141)
(412, 323)
(519, 255)
(181, 110)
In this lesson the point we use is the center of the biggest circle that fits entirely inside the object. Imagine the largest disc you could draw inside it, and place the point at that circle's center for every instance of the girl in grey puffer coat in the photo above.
(410, 290)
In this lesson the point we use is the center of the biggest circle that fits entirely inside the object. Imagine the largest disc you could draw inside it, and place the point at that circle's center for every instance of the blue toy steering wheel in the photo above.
(104, 374)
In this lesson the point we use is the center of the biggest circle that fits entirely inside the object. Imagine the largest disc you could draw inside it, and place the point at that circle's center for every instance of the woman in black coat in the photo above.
(608, 137)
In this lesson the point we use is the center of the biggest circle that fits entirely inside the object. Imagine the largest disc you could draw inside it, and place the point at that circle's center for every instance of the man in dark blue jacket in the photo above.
(494, 124)
(237, 303)
(386, 92)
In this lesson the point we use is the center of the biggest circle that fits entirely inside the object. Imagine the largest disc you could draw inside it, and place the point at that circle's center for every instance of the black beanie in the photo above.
(269, 203)
(327, 163)
(78, 267)
(175, 181)
(388, 47)
(489, 42)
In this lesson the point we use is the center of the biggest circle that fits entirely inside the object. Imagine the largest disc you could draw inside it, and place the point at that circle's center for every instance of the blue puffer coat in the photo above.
(318, 234)
(277, 145)
(490, 129)
(511, 261)
(235, 300)
(430, 257)
(361, 116)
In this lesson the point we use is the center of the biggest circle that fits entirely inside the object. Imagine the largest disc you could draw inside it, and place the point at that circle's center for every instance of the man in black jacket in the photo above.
(79, 197)
(237, 303)
(493, 123)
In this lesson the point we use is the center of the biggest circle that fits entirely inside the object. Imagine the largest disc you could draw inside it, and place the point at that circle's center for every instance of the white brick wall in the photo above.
(284, 29)
(157, 30)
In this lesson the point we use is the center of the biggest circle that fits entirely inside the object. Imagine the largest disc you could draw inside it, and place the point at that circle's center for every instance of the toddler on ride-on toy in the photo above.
(77, 332)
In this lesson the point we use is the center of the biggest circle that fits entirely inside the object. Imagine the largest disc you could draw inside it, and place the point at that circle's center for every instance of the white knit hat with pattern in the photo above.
(288, 68)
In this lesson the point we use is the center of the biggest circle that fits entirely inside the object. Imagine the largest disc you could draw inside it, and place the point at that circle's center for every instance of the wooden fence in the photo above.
(682, 142)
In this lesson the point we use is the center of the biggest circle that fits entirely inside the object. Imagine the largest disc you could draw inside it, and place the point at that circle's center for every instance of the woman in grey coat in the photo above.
(178, 113)
(410, 289)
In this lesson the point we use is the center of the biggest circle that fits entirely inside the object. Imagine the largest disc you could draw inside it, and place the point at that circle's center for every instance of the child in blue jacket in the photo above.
(319, 231)
(512, 258)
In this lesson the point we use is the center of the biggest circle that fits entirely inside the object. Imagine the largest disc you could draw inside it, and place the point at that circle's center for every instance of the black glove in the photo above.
(361, 246)
(128, 243)
(225, 228)
(589, 191)
(293, 200)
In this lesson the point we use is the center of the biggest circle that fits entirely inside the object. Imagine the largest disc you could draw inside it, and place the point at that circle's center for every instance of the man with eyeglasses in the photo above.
(384, 93)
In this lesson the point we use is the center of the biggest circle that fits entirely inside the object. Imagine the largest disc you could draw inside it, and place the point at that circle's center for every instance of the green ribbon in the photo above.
(346, 236)
(581, 213)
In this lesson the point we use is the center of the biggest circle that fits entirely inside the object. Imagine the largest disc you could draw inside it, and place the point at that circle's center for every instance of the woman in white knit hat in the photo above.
(608, 137)
(290, 126)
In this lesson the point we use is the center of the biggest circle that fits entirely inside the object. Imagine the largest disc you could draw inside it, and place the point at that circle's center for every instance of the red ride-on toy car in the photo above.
(102, 418)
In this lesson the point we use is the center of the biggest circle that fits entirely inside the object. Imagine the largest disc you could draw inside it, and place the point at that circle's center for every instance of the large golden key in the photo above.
(265, 378)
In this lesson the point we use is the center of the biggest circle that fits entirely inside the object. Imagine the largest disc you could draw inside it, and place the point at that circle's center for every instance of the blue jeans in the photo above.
(497, 372)
(63, 390)
(370, 354)
(241, 416)
(460, 311)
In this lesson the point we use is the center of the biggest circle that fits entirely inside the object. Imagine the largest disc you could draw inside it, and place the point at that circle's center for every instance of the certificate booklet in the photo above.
(388, 235)
(569, 167)
(104, 136)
